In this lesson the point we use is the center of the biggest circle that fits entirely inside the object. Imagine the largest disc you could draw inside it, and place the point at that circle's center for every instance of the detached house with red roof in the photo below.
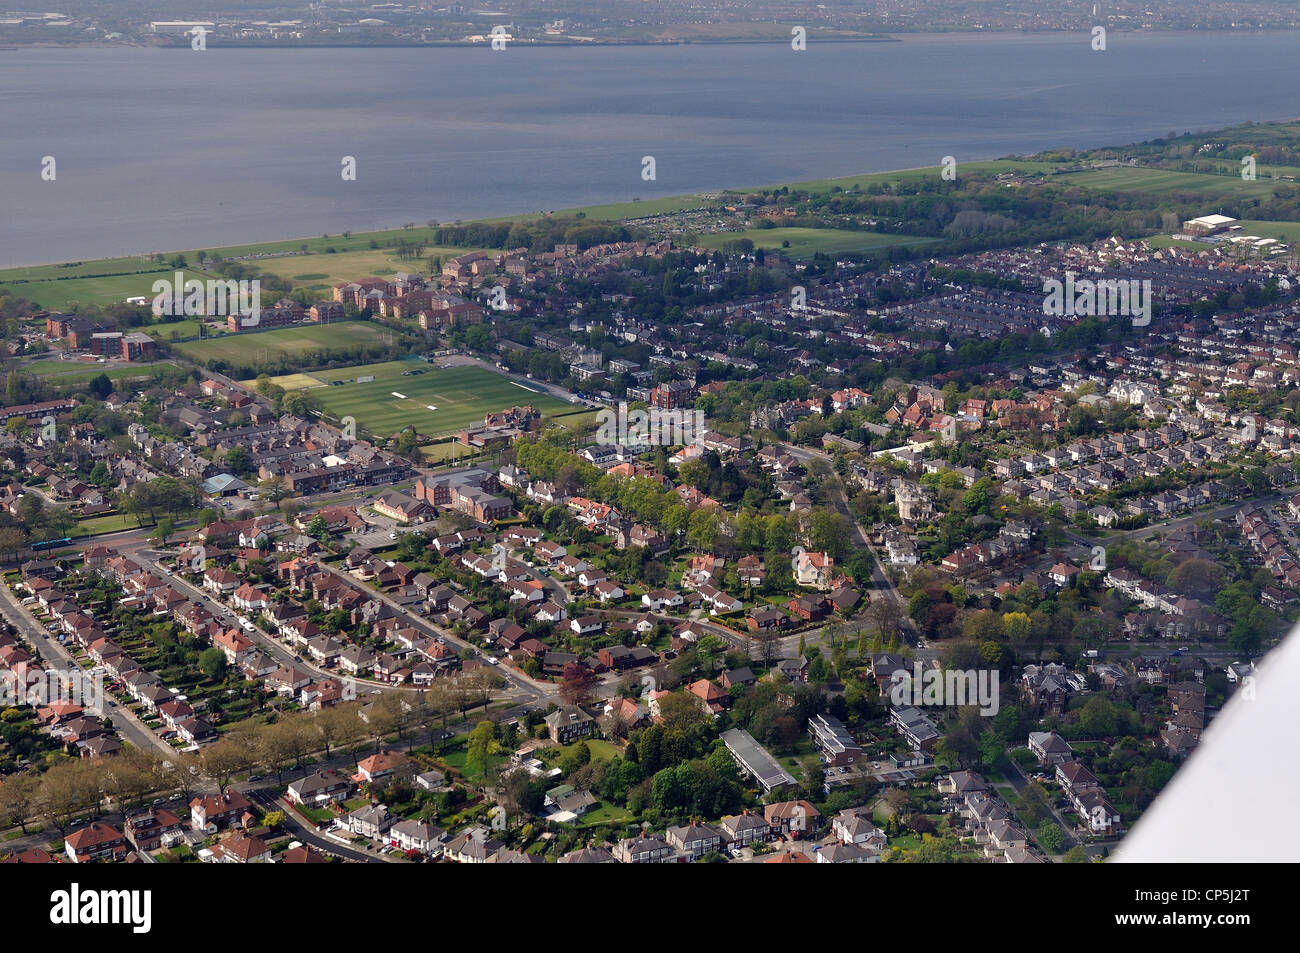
(711, 696)
(814, 570)
(382, 765)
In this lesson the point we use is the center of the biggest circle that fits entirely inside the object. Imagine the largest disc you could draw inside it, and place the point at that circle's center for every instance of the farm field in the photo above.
(462, 395)
(1161, 181)
(849, 182)
(261, 346)
(806, 242)
(1233, 167)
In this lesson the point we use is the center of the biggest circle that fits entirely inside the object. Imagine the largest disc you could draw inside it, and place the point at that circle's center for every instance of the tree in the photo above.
(132, 775)
(100, 386)
(1051, 837)
(345, 721)
(933, 850)
(273, 488)
(481, 747)
(166, 526)
(273, 750)
(236, 460)
(212, 663)
(330, 726)
(226, 757)
(1016, 626)
(576, 685)
(520, 794)
(441, 702)
(182, 770)
(67, 789)
(19, 797)
(1035, 807)
(318, 529)
(1098, 718)
(681, 710)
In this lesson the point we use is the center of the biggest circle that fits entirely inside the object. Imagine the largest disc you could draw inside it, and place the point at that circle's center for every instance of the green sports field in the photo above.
(259, 347)
(462, 395)
(67, 372)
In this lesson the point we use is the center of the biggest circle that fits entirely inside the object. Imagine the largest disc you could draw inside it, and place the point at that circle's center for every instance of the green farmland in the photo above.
(905, 176)
(1164, 182)
(462, 395)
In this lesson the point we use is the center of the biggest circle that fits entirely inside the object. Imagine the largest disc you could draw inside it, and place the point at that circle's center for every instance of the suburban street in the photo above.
(130, 727)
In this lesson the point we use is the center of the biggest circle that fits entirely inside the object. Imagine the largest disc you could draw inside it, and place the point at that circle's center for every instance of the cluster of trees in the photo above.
(67, 787)
(149, 501)
(537, 236)
(299, 403)
(59, 790)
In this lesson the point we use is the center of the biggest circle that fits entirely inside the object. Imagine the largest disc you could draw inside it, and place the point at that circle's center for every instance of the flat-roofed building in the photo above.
(754, 759)
(1207, 225)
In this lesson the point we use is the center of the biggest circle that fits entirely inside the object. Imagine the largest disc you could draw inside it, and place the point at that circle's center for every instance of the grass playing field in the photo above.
(1286, 231)
(321, 272)
(66, 372)
(462, 395)
(262, 346)
(64, 292)
(806, 242)
(288, 381)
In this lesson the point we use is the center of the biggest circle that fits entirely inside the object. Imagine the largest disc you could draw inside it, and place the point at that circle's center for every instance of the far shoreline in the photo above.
(780, 39)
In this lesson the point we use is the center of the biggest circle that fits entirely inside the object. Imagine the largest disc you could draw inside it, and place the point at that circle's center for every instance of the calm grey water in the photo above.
(175, 149)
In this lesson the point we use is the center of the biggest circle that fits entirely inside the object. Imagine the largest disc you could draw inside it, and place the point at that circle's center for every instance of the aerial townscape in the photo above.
(643, 538)
(646, 432)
